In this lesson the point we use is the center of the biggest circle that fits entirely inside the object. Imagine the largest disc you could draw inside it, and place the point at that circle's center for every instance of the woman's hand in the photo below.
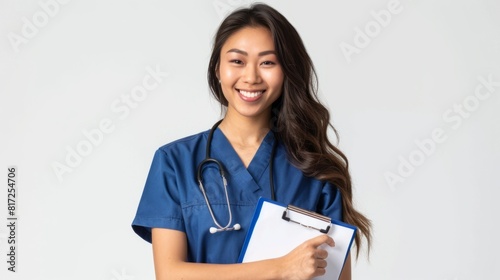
(308, 260)
(304, 262)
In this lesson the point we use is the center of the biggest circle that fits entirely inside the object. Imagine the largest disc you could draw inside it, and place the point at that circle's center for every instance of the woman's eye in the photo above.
(268, 63)
(236, 61)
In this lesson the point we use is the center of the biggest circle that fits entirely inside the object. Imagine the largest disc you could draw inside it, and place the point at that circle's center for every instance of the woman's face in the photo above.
(249, 72)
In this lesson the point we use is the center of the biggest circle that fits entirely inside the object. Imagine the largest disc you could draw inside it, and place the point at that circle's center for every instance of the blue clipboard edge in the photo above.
(252, 225)
(256, 217)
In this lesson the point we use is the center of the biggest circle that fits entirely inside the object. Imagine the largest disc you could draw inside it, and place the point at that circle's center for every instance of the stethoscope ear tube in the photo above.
(271, 165)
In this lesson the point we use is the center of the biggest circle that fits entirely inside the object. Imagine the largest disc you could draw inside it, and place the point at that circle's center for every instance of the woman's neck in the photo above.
(242, 131)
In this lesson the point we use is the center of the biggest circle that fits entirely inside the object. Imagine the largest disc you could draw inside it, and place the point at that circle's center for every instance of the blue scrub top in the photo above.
(172, 198)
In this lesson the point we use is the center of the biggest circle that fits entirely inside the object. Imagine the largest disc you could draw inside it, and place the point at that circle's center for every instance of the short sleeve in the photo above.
(159, 206)
(330, 203)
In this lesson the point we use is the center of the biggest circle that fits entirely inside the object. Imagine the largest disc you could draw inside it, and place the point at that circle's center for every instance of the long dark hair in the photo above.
(298, 119)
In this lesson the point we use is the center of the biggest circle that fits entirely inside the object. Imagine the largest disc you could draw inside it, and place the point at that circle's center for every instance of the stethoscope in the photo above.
(208, 159)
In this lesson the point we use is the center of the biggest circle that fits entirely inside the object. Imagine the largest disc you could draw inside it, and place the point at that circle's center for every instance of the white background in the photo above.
(437, 222)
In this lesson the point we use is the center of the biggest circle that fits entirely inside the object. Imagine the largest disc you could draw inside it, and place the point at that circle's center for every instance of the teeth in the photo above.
(251, 94)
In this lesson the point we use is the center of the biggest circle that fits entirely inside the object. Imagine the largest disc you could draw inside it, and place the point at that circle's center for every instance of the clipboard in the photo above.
(277, 229)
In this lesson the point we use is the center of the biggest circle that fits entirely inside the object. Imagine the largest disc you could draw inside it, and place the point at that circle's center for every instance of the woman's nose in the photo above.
(251, 74)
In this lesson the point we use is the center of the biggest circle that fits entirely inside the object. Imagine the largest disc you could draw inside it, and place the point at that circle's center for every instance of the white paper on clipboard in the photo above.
(271, 236)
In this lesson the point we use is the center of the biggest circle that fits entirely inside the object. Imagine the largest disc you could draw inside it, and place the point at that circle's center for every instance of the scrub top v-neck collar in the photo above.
(224, 151)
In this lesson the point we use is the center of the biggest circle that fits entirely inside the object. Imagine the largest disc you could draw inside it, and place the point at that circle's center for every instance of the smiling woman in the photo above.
(257, 67)
(274, 133)
(250, 75)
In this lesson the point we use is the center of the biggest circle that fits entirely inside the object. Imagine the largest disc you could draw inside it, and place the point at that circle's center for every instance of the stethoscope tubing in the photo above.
(199, 178)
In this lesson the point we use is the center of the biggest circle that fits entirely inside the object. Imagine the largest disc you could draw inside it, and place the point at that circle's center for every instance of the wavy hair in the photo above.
(298, 118)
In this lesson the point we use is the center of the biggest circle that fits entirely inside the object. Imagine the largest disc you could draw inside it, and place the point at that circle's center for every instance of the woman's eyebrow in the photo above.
(245, 53)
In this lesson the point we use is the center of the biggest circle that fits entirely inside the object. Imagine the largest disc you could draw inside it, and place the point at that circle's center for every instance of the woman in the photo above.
(272, 142)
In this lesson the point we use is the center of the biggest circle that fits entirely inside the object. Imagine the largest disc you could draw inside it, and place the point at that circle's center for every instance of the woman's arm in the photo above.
(170, 254)
(346, 272)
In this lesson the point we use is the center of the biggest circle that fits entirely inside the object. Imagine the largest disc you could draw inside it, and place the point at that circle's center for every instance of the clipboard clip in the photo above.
(307, 213)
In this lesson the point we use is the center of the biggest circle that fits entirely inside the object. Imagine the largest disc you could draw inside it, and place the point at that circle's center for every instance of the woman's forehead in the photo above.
(251, 40)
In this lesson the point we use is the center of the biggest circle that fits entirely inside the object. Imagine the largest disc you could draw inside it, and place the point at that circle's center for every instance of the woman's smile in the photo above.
(250, 95)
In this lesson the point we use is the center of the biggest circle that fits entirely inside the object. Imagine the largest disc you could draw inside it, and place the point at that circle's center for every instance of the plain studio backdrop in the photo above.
(90, 89)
